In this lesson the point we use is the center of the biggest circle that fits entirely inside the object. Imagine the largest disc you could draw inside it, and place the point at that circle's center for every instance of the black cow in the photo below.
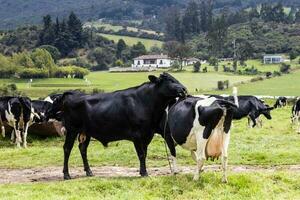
(202, 125)
(39, 109)
(296, 114)
(16, 112)
(249, 106)
(280, 102)
(131, 114)
(51, 98)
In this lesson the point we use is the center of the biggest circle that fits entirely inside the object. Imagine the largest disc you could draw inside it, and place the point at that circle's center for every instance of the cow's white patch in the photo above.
(174, 169)
(226, 139)
(10, 116)
(48, 99)
(3, 131)
(191, 143)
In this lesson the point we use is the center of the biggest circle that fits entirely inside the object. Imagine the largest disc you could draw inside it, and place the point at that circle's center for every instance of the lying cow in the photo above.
(280, 102)
(16, 112)
(202, 126)
(296, 114)
(130, 114)
(249, 106)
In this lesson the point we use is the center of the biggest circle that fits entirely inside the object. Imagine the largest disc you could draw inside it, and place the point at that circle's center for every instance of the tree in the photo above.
(55, 54)
(203, 16)
(173, 21)
(177, 51)
(42, 59)
(278, 13)
(76, 31)
(121, 46)
(197, 66)
(47, 35)
(102, 56)
(138, 50)
(217, 36)
(23, 59)
(266, 12)
(190, 19)
(297, 17)
(253, 13)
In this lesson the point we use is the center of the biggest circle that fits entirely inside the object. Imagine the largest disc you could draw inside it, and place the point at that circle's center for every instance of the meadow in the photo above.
(276, 144)
(116, 81)
(130, 41)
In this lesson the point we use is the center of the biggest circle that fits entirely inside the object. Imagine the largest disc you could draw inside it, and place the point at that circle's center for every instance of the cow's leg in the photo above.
(18, 134)
(69, 143)
(83, 145)
(171, 146)
(226, 139)
(253, 119)
(3, 130)
(200, 154)
(140, 150)
(25, 135)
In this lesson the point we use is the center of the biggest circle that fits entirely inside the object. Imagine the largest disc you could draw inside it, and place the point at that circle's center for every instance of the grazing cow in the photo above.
(51, 98)
(16, 112)
(131, 114)
(202, 125)
(249, 106)
(296, 114)
(280, 102)
(39, 109)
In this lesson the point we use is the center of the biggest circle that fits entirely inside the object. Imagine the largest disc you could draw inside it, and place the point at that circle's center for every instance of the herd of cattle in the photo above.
(199, 124)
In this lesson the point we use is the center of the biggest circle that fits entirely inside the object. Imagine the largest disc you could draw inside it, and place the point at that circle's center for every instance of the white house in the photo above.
(152, 61)
(273, 59)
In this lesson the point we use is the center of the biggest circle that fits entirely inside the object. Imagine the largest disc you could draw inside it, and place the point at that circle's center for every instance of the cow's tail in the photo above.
(235, 96)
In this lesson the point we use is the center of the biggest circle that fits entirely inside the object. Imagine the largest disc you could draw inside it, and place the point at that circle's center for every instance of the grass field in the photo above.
(287, 85)
(274, 144)
(133, 40)
(115, 81)
(241, 186)
(117, 28)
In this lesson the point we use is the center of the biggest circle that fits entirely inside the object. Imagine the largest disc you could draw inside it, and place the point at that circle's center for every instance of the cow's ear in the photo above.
(153, 79)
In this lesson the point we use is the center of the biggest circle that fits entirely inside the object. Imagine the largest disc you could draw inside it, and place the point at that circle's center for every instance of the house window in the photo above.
(139, 63)
(160, 62)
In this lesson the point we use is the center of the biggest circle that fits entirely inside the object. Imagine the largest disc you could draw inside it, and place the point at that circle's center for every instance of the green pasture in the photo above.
(133, 40)
(276, 143)
(286, 85)
(279, 185)
(116, 28)
(116, 81)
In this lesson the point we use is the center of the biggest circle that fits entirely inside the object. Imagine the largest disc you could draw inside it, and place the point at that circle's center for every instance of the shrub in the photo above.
(73, 71)
(257, 79)
(221, 85)
(9, 90)
(175, 65)
(268, 74)
(55, 54)
(213, 61)
(118, 63)
(33, 73)
(285, 68)
(204, 70)
(197, 66)
(293, 54)
(276, 73)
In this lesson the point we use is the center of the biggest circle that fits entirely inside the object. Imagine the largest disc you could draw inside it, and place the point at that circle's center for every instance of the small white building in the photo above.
(152, 61)
(273, 59)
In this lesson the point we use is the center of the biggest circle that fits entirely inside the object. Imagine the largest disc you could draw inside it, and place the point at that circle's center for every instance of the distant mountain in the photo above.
(15, 13)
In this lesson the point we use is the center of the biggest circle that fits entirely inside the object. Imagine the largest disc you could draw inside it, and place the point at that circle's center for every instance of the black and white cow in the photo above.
(296, 114)
(16, 112)
(249, 106)
(202, 126)
(131, 114)
(39, 109)
(280, 102)
(51, 98)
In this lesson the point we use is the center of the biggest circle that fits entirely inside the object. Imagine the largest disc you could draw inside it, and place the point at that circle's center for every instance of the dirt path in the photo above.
(55, 173)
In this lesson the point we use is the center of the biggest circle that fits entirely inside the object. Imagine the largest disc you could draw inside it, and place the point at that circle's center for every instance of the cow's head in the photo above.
(264, 109)
(39, 109)
(168, 86)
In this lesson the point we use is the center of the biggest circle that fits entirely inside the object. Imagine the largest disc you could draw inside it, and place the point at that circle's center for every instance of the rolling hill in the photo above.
(19, 12)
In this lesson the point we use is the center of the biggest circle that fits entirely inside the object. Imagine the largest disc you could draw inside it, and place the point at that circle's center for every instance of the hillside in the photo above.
(19, 13)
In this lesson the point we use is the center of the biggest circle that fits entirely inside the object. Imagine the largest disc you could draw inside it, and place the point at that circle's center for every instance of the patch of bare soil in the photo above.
(47, 174)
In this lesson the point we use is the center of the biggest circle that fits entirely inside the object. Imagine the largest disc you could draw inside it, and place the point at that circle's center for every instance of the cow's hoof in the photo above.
(67, 177)
(144, 174)
(224, 180)
(89, 173)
